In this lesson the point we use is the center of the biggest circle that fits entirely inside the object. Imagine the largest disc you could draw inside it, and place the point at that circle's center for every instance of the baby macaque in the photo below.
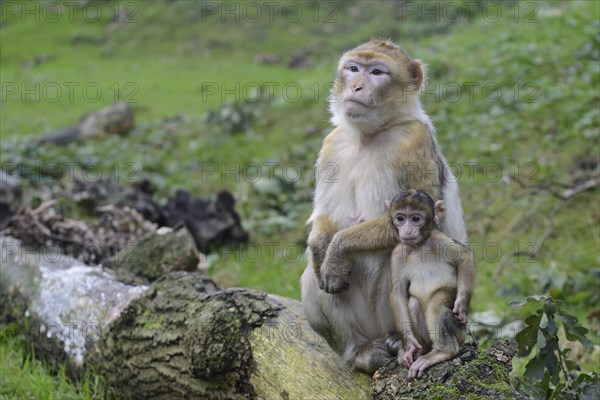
(432, 283)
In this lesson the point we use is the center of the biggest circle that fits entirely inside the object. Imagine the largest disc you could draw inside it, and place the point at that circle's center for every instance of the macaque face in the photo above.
(414, 214)
(410, 223)
(376, 87)
(364, 83)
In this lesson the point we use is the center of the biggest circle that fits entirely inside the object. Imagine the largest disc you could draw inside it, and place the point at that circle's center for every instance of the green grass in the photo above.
(22, 376)
(544, 121)
(161, 65)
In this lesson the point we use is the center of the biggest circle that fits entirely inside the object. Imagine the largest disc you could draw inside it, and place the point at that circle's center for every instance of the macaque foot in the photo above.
(430, 359)
(372, 355)
(333, 283)
(393, 343)
(418, 367)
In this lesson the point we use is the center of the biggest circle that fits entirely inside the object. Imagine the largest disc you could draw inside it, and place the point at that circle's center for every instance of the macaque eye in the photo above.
(400, 218)
(416, 219)
(377, 71)
(353, 68)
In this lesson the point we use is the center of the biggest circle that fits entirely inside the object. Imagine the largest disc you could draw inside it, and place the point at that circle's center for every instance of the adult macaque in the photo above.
(383, 142)
(432, 283)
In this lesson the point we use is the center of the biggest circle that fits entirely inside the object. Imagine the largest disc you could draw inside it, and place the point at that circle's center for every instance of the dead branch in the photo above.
(561, 190)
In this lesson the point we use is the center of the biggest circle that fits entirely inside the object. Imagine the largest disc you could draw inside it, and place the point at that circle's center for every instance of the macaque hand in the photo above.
(335, 270)
(460, 311)
(413, 352)
(332, 282)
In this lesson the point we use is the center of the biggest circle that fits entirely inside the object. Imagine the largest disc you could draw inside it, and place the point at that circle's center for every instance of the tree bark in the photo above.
(155, 254)
(472, 374)
(184, 337)
(180, 337)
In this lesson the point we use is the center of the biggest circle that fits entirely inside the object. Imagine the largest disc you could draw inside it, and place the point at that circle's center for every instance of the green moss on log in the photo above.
(154, 255)
(294, 362)
(185, 338)
(472, 375)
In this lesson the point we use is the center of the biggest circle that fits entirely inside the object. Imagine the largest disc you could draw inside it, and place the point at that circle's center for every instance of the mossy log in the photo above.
(184, 337)
(180, 337)
(155, 254)
(473, 374)
(114, 119)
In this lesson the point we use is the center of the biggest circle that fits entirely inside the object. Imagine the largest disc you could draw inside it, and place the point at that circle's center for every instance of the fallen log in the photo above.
(114, 119)
(184, 337)
(156, 254)
(181, 337)
(472, 374)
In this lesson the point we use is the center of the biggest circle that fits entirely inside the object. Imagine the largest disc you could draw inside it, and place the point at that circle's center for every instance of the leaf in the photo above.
(545, 384)
(544, 321)
(550, 308)
(535, 392)
(537, 297)
(551, 363)
(584, 377)
(535, 368)
(559, 388)
(552, 343)
(567, 318)
(528, 299)
(541, 340)
(573, 330)
(517, 303)
(551, 327)
(534, 319)
(577, 333)
(590, 392)
(570, 364)
(527, 337)
(588, 385)
(526, 340)
(566, 351)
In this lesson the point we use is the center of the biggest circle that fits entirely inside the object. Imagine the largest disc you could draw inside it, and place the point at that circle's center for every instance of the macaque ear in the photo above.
(387, 204)
(416, 69)
(440, 211)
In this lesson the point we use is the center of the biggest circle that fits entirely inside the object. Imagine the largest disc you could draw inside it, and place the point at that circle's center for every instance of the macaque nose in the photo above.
(410, 234)
(357, 83)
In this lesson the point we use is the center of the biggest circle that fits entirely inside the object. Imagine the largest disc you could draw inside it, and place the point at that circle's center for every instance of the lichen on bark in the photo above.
(154, 255)
(184, 337)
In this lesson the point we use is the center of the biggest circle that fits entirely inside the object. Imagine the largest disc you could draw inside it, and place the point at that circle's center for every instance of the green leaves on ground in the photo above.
(550, 374)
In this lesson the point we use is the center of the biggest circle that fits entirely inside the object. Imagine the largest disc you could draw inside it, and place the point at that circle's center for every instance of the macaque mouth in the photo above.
(411, 241)
(355, 101)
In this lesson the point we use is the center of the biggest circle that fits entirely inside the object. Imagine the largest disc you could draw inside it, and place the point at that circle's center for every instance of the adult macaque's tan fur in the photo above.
(383, 142)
